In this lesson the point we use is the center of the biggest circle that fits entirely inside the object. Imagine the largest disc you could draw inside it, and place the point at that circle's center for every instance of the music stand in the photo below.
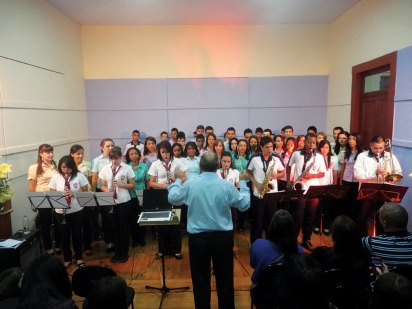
(283, 196)
(164, 289)
(91, 199)
(332, 191)
(381, 192)
(48, 199)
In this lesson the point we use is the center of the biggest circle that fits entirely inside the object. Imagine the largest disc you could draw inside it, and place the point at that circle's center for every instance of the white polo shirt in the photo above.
(124, 173)
(256, 166)
(318, 167)
(232, 176)
(159, 170)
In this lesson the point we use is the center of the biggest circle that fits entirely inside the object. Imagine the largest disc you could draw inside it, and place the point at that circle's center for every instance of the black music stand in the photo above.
(332, 191)
(49, 199)
(164, 289)
(381, 192)
(283, 196)
(92, 199)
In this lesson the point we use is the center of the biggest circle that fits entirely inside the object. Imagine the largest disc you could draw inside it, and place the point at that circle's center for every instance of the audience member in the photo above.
(46, 285)
(391, 290)
(108, 293)
(395, 245)
(279, 245)
(10, 287)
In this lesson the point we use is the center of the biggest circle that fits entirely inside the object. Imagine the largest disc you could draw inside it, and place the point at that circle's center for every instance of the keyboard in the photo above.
(155, 215)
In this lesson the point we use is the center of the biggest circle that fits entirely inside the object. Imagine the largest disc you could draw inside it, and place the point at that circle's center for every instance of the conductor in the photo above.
(209, 224)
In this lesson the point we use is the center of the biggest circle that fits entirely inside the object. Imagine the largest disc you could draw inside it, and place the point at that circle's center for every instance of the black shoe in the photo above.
(307, 245)
(316, 230)
(326, 232)
(124, 258)
(115, 258)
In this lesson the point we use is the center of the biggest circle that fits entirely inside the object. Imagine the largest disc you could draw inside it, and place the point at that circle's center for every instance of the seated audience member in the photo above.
(10, 287)
(395, 245)
(108, 293)
(46, 285)
(280, 244)
(301, 285)
(391, 290)
(347, 251)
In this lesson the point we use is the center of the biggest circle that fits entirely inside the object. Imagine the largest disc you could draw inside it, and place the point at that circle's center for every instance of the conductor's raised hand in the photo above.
(244, 175)
(177, 173)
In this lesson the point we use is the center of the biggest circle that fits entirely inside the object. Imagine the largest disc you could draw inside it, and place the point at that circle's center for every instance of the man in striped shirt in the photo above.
(395, 245)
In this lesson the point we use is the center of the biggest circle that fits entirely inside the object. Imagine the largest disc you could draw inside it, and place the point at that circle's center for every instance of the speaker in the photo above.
(22, 255)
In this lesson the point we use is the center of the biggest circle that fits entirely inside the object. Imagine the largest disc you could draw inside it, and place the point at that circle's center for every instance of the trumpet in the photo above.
(391, 177)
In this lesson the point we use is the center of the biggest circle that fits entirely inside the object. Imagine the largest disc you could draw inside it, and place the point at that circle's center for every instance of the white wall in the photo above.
(42, 94)
(370, 29)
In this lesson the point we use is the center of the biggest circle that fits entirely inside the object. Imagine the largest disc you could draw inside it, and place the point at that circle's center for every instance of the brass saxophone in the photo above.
(266, 185)
(298, 184)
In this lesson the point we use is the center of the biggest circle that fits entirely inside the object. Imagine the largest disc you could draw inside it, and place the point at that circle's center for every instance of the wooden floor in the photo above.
(143, 269)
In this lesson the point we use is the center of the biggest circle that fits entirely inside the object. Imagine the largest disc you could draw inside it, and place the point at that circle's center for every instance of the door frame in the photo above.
(357, 90)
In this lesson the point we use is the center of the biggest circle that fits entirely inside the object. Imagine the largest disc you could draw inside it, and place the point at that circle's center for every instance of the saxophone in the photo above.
(266, 185)
(298, 184)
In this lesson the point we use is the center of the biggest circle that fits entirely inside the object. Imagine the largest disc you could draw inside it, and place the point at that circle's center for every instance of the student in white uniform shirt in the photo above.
(135, 143)
(118, 178)
(161, 175)
(229, 173)
(69, 180)
(97, 165)
(304, 212)
(259, 165)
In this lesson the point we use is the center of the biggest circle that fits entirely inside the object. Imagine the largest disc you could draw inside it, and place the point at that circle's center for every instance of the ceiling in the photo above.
(202, 12)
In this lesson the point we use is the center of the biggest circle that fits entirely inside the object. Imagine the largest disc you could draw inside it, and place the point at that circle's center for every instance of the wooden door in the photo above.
(372, 110)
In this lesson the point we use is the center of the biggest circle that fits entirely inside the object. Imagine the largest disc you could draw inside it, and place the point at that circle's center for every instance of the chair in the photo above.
(263, 294)
(346, 289)
(84, 278)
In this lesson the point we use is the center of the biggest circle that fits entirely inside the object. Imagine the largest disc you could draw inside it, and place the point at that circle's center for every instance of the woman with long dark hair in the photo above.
(150, 154)
(347, 251)
(90, 213)
(300, 140)
(210, 144)
(39, 176)
(253, 145)
(161, 175)
(347, 177)
(70, 180)
(280, 241)
(278, 145)
(46, 285)
(141, 179)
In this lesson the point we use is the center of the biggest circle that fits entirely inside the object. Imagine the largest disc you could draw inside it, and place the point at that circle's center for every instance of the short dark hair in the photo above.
(174, 130)
(190, 144)
(265, 140)
(309, 135)
(258, 130)
(164, 132)
(231, 129)
(247, 131)
(395, 215)
(115, 153)
(391, 290)
(312, 128)
(166, 146)
(287, 127)
(135, 131)
(338, 128)
(199, 136)
(268, 130)
(181, 134)
(209, 162)
(377, 139)
(208, 128)
(108, 292)
(200, 127)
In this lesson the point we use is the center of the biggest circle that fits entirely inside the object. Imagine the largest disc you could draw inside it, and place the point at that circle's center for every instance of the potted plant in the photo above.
(5, 193)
